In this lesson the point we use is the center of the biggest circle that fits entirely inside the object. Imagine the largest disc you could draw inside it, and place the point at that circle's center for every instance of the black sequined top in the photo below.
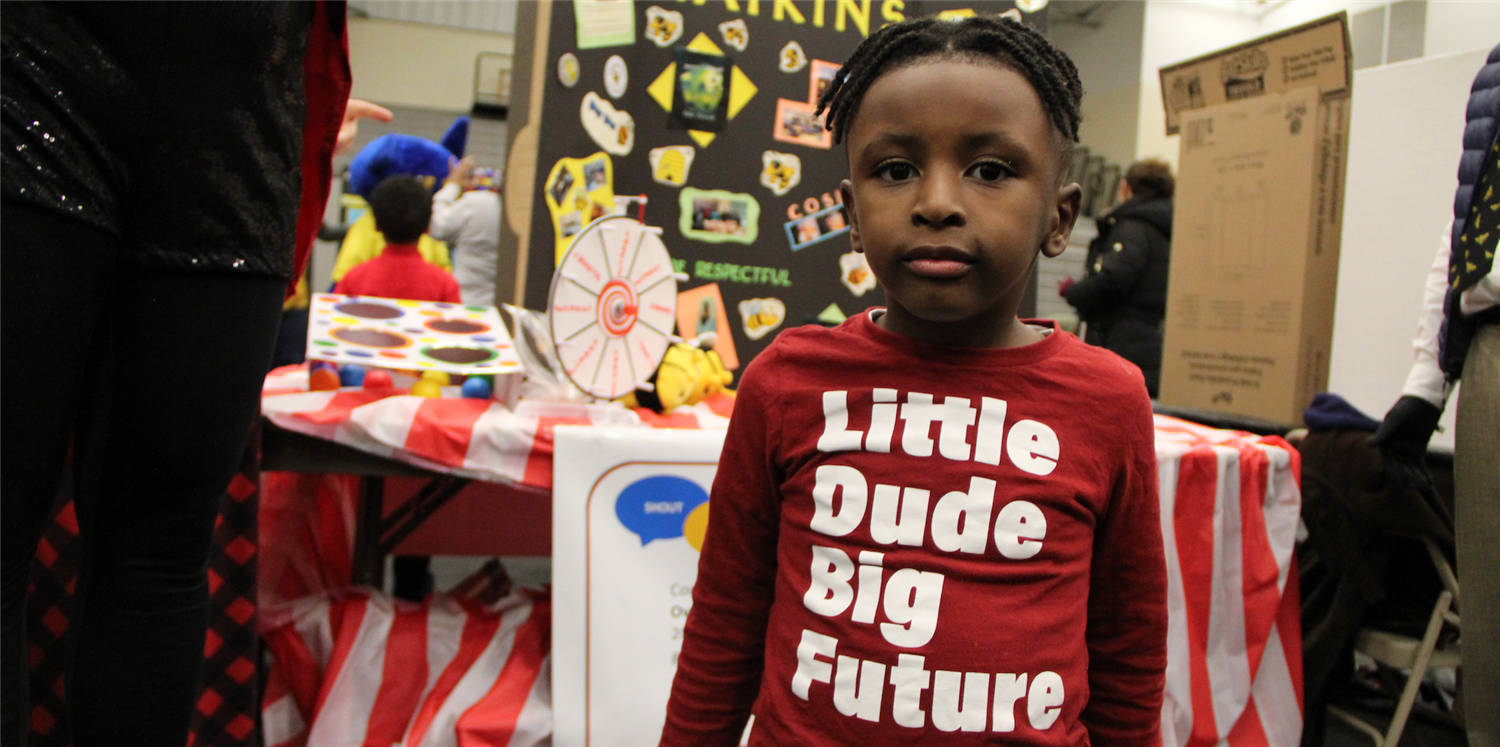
(176, 126)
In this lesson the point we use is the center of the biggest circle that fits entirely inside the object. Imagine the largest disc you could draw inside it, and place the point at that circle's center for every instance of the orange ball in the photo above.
(377, 379)
(323, 379)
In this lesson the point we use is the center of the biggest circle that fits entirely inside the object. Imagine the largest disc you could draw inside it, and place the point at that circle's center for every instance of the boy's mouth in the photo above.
(937, 261)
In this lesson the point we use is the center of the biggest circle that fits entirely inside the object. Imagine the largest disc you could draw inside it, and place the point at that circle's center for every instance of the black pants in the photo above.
(154, 377)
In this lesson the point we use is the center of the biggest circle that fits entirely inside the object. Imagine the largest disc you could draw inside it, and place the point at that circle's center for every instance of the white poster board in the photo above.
(629, 506)
(1405, 137)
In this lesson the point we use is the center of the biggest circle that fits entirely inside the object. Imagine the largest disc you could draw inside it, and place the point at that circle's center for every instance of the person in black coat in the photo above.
(1123, 297)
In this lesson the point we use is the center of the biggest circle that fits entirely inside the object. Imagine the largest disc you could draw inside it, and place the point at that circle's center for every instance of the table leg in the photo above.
(369, 561)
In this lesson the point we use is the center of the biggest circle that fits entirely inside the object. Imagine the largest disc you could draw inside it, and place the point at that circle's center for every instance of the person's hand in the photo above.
(355, 111)
(1402, 439)
(1063, 286)
(462, 173)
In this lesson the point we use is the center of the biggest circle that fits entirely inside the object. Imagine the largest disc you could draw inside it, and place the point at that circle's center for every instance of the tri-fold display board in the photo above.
(706, 110)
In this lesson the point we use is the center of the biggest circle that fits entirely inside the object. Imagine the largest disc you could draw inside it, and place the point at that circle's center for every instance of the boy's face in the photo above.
(954, 189)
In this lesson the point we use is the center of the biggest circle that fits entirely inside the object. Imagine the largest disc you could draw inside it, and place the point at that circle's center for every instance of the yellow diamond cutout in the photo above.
(661, 88)
(701, 43)
(703, 138)
(741, 90)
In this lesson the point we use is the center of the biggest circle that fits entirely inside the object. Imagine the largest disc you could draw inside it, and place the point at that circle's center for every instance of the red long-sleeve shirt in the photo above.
(916, 542)
(400, 272)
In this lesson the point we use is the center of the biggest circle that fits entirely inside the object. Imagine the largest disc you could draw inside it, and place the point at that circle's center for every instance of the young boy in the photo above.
(402, 208)
(936, 523)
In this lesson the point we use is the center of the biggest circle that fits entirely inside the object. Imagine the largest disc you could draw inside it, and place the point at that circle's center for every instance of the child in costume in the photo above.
(936, 523)
(387, 156)
(402, 208)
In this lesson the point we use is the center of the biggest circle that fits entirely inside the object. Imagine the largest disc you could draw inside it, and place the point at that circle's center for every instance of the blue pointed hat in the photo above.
(457, 136)
(389, 155)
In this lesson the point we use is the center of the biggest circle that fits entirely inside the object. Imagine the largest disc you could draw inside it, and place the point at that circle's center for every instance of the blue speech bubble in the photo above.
(655, 507)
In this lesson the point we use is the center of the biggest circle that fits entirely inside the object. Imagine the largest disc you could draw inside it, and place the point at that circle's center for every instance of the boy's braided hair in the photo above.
(994, 38)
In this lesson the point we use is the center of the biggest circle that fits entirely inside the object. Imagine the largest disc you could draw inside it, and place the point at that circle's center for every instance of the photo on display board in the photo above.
(560, 186)
(821, 79)
(717, 216)
(816, 227)
(593, 175)
(700, 100)
(797, 123)
(701, 310)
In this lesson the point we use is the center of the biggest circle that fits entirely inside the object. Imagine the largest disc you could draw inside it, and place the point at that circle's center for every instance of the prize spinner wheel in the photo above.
(612, 306)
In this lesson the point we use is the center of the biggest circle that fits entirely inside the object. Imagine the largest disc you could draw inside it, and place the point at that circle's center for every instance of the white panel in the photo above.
(1405, 138)
(497, 16)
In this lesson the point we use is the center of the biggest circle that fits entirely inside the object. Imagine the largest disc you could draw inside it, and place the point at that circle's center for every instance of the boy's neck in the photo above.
(407, 247)
(1006, 332)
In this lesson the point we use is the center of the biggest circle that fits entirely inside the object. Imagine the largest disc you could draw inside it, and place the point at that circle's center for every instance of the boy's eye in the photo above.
(896, 171)
(989, 171)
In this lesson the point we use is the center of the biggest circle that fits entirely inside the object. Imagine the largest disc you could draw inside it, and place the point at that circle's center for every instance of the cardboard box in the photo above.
(1313, 54)
(1255, 248)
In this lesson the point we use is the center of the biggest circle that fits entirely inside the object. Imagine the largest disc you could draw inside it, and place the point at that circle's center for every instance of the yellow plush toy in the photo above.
(687, 375)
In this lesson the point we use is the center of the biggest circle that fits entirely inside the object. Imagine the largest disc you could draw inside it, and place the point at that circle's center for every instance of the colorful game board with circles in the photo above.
(413, 335)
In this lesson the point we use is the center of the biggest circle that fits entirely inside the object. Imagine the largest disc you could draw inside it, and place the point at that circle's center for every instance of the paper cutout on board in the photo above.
(664, 89)
(604, 23)
(419, 335)
(958, 13)
(578, 191)
(1013, 14)
(814, 221)
(701, 310)
(612, 129)
(1030, 6)
(670, 164)
(735, 33)
(797, 123)
(663, 27)
(616, 76)
(568, 70)
(760, 316)
(658, 507)
(855, 274)
(792, 58)
(832, 315)
(820, 77)
(779, 172)
(717, 216)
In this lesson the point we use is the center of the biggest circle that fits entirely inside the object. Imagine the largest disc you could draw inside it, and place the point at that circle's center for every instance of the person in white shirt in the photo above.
(466, 216)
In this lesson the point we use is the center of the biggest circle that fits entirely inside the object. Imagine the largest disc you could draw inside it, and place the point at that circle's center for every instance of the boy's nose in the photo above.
(938, 204)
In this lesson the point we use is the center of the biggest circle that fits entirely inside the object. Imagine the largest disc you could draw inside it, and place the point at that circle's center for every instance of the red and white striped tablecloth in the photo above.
(476, 438)
(1230, 504)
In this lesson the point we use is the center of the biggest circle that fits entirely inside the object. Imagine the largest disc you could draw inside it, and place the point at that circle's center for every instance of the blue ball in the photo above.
(352, 374)
(476, 388)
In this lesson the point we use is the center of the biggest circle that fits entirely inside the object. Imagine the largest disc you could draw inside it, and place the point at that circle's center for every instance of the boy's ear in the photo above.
(1065, 214)
(846, 192)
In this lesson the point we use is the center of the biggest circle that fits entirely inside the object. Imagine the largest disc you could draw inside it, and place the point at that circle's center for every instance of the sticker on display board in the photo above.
(701, 310)
(616, 76)
(717, 216)
(815, 220)
(1030, 6)
(759, 316)
(417, 335)
(1013, 14)
(855, 274)
(578, 191)
(568, 70)
(792, 58)
(663, 27)
(779, 172)
(832, 315)
(670, 164)
(797, 122)
(736, 34)
(612, 129)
